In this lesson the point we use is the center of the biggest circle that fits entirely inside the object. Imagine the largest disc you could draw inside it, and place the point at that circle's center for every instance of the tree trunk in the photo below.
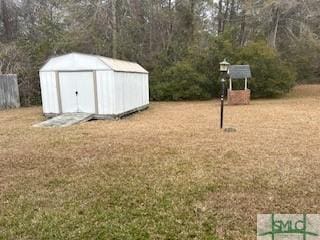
(274, 28)
(114, 30)
(170, 31)
(243, 29)
(137, 10)
(220, 17)
(226, 13)
(232, 10)
(171, 14)
(192, 25)
(5, 20)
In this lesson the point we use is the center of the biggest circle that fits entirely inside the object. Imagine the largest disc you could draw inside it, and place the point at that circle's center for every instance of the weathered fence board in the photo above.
(9, 91)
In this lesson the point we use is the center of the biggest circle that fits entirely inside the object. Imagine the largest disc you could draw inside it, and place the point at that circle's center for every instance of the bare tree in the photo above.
(114, 30)
(9, 19)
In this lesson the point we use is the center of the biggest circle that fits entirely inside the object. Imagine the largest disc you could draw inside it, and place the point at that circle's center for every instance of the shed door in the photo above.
(77, 92)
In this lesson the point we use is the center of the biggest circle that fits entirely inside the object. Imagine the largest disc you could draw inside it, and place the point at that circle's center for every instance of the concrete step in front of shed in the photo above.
(65, 120)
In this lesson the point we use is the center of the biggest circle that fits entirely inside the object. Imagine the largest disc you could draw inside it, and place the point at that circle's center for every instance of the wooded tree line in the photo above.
(179, 41)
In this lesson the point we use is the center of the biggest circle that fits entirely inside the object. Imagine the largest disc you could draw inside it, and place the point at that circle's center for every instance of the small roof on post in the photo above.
(240, 71)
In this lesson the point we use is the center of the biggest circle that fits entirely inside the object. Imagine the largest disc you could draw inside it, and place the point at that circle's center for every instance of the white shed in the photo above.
(102, 86)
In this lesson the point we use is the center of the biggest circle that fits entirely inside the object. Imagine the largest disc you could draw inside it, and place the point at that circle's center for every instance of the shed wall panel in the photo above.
(106, 92)
(119, 94)
(145, 89)
(49, 92)
(130, 90)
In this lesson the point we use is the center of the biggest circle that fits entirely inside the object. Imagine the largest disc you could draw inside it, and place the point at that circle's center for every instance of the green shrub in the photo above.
(271, 77)
(196, 77)
(179, 82)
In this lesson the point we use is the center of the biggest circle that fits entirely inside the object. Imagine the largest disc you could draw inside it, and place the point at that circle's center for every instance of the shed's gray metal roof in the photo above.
(240, 71)
(122, 66)
(79, 61)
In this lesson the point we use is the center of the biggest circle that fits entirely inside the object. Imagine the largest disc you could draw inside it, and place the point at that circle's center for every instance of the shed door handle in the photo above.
(76, 93)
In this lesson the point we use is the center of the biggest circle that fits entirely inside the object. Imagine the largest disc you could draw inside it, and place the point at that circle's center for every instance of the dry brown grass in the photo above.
(166, 173)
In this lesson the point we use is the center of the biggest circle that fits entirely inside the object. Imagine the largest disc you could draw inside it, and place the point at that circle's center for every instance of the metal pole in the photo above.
(222, 102)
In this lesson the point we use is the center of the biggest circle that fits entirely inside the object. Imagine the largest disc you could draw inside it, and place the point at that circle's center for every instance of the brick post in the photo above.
(239, 97)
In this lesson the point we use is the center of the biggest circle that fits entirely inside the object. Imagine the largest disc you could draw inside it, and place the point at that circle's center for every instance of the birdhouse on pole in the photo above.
(239, 97)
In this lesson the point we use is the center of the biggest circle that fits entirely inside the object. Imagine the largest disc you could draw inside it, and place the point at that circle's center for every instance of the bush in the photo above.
(196, 77)
(271, 77)
(179, 82)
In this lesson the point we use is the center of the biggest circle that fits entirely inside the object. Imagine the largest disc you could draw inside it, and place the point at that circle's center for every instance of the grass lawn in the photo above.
(166, 173)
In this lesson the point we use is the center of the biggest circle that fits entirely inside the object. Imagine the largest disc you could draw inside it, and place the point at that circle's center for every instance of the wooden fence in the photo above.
(9, 91)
